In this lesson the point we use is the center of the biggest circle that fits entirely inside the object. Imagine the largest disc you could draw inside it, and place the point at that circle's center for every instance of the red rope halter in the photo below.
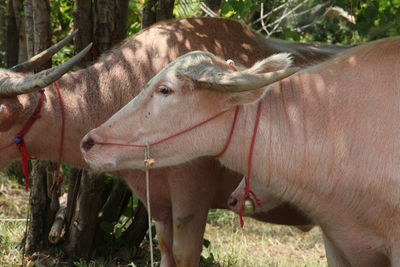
(19, 141)
(185, 131)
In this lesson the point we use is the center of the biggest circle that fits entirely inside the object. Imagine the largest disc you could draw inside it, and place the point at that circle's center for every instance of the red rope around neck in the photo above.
(18, 140)
(228, 140)
(247, 191)
(61, 145)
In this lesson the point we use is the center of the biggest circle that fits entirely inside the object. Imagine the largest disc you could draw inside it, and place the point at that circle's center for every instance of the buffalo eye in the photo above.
(164, 90)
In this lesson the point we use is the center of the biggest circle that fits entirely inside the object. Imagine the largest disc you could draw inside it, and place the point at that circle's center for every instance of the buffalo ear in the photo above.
(9, 110)
(273, 63)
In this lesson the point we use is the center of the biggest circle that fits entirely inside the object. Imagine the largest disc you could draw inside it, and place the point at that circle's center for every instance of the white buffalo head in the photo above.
(194, 87)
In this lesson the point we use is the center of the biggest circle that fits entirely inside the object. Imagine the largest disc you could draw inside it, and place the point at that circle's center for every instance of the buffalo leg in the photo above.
(164, 236)
(334, 256)
(191, 200)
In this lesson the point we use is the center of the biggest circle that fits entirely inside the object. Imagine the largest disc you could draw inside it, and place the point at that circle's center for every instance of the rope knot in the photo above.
(18, 140)
(149, 162)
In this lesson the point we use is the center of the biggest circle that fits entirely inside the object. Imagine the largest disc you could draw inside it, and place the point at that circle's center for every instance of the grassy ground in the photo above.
(258, 244)
(13, 204)
(261, 244)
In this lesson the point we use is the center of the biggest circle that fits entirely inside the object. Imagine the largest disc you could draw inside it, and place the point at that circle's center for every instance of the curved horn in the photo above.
(43, 56)
(240, 81)
(22, 85)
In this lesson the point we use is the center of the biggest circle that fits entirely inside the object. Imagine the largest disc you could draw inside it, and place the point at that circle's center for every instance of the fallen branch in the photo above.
(208, 10)
(56, 231)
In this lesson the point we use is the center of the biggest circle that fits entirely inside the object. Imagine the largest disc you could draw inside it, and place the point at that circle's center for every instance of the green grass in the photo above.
(257, 244)
(261, 244)
(13, 204)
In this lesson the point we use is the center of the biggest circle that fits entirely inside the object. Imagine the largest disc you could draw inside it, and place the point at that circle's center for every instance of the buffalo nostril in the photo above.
(232, 202)
(87, 144)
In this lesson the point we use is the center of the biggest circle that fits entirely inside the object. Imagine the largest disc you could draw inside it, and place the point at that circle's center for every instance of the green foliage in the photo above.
(116, 229)
(374, 19)
(187, 8)
(61, 25)
(135, 16)
(239, 9)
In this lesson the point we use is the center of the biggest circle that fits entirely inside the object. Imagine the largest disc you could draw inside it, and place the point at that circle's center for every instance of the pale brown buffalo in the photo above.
(180, 196)
(327, 140)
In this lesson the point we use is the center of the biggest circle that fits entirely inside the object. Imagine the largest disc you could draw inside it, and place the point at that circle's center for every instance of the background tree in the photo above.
(83, 22)
(3, 13)
(104, 23)
(154, 11)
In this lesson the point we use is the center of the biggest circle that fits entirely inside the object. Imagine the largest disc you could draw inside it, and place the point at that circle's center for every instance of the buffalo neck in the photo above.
(305, 154)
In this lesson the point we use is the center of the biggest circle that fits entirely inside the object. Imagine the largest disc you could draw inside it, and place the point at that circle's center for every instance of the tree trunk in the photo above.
(41, 26)
(149, 15)
(29, 31)
(11, 37)
(41, 215)
(20, 21)
(165, 10)
(105, 32)
(154, 11)
(83, 21)
(83, 222)
(3, 8)
(214, 5)
(122, 9)
(111, 212)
